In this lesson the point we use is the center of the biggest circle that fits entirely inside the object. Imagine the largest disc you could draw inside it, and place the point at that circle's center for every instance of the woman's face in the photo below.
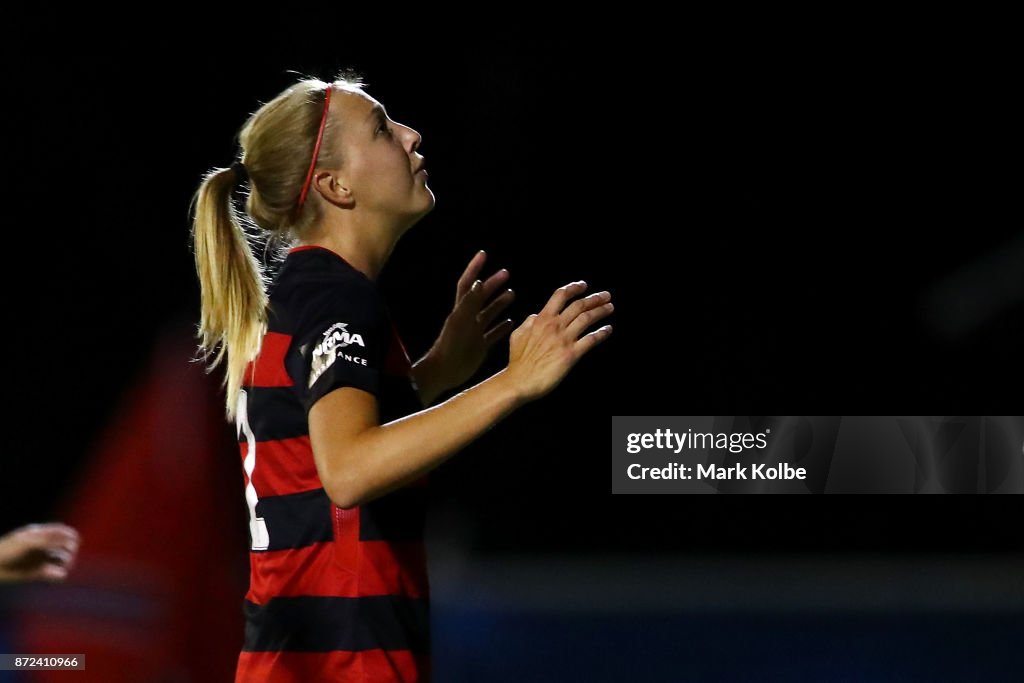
(381, 164)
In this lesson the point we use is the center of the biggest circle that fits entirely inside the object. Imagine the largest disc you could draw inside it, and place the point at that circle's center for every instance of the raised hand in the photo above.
(467, 335)
(546, 346)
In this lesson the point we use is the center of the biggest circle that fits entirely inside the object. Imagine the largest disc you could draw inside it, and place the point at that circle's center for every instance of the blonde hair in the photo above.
(277, 143)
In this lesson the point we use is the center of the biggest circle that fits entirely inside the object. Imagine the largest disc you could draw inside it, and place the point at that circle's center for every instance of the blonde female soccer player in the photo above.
(336, 428)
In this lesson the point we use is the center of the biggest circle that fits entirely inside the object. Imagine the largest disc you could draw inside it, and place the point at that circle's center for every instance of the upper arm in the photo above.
(336, 422)
(336, 360)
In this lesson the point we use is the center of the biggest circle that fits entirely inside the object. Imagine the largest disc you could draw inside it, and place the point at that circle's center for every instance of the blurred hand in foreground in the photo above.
(38, 552)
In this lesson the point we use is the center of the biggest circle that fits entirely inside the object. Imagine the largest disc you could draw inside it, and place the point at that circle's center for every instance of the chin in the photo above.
(429, 206)
(422, 210)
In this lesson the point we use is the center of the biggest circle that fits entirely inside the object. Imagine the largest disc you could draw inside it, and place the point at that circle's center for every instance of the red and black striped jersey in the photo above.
(334, 594)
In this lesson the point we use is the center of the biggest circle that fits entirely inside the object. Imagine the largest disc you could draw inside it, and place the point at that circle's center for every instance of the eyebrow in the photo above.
(376, 111)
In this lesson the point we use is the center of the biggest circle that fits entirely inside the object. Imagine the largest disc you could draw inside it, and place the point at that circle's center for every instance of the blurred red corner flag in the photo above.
(157, 591)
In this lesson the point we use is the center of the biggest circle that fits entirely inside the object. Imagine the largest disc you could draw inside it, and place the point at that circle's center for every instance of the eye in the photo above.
(383, 126)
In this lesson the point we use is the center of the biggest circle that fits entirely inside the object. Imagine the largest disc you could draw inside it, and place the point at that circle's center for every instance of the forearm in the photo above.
(392, 455)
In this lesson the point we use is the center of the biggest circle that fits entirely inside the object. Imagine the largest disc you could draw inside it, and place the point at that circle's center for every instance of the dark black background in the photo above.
(768, 206)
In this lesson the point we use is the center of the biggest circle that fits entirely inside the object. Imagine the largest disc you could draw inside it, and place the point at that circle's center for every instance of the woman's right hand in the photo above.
(546, 346)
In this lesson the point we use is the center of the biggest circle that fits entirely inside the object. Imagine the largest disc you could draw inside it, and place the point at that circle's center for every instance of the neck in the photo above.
(363, 249)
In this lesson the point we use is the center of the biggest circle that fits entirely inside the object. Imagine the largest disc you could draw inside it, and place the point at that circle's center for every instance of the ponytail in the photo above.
(233, 286)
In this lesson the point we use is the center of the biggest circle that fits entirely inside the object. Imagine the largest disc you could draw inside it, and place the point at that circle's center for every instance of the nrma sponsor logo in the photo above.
(337, 338)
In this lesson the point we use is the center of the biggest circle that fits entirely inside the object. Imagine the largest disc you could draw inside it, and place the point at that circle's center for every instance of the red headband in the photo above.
(316, 149)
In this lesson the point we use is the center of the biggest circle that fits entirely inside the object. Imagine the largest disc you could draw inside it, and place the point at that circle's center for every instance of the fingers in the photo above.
(499, 331)
(52, 536)
(485, 316)
(561, 296)
(469, 276)
(475, 298)
(472, 273)
(40, 552)
(585, 312)
(492, 283)
(56, 566)
(48, 551)
(591, 340)
(584, 304)
(52, 572)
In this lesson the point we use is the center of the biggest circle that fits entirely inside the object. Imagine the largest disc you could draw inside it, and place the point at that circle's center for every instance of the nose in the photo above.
(415, 137)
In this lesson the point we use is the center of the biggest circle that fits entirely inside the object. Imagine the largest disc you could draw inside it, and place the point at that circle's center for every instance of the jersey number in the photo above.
(257, 526)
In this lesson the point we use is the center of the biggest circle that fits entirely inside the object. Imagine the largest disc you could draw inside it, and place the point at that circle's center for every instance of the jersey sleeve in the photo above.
(340, 341)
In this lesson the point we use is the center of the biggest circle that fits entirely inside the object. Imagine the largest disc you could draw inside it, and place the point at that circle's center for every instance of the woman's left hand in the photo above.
(467, 336)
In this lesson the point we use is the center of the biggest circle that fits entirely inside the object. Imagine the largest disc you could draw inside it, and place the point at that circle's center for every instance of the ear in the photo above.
(333, 188)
